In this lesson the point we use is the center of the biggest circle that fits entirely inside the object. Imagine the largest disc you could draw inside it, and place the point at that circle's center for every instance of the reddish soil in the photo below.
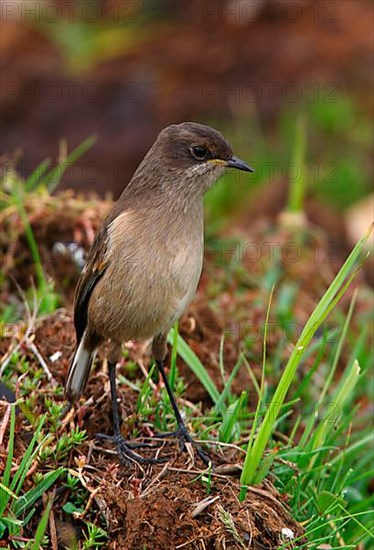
(161, 515)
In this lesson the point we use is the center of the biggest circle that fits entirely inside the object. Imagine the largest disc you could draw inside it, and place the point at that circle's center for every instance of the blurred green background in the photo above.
(122, 70)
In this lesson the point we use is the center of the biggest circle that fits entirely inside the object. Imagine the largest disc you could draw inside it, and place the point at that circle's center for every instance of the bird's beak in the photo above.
(239, 164)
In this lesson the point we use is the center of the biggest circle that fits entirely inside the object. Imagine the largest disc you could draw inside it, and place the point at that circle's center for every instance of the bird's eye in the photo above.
(199, 152)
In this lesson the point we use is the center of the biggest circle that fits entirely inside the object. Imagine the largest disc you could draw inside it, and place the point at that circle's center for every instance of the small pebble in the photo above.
(56, 356)
(287, 534)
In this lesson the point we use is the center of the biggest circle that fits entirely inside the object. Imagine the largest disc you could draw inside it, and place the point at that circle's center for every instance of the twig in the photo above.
(93, 493)
(221, 444)
(5, 420)
(8, 356)
(203, 505)
(159, 476)
(265, 494)
(52, 526)
(42, 362)
(145, 374)
(198, 472)
(199, 538)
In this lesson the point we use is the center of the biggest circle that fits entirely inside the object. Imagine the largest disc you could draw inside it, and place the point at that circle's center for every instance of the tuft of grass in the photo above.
(17, 506)
(95, 537)
(14, 195)
(329, 300)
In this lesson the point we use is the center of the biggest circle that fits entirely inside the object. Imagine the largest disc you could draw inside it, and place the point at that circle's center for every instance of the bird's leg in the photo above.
(124, 448)
(181, 433)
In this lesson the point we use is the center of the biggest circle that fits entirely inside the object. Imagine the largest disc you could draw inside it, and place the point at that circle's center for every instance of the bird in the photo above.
(144, 265)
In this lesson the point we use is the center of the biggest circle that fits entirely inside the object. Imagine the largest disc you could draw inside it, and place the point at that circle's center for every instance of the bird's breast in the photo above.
(151, 278)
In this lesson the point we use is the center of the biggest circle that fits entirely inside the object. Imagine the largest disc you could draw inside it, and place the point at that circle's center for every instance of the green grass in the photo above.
(195, 365)
(325, 306)
(17, 506)
(14, 192)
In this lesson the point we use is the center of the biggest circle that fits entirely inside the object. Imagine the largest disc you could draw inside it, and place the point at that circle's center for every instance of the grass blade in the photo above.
(53, 177)
(36, 177)
(261, 395)
(297, 184)
(29, 498)
(230, 418)
(42, 526)
(220, 405)
(27, 459)
(339, 400)
(192, 360)
(4, 495)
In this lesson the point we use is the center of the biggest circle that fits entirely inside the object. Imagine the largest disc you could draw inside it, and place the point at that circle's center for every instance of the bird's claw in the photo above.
(129, 444)
(183, 436)
(126, 453)
(128, 456)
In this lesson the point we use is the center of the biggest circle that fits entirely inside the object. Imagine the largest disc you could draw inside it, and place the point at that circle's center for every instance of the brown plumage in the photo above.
(145, 263)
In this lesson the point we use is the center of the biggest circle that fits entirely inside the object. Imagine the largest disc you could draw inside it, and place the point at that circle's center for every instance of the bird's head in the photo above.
(189, 158)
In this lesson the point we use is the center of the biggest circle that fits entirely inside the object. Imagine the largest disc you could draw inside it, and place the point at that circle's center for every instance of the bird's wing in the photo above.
(93, 271)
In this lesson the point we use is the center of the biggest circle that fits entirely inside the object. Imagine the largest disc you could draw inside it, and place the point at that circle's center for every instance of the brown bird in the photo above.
(145, 263)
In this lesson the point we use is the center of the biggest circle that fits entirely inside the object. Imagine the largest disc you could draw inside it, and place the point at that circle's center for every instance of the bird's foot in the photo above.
(130, 444)
(183, 436)
(126, 453)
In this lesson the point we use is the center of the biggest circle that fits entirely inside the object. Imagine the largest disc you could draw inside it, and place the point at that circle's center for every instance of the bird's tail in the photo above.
(79, 371)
